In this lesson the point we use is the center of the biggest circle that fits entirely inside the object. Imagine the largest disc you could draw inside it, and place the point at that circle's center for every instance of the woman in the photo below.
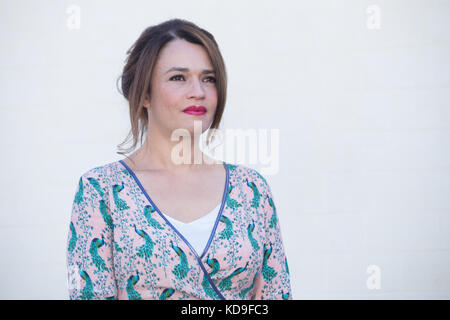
(150, 227)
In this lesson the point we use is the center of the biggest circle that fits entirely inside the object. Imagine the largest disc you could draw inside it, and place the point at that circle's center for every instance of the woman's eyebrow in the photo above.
(205, 71)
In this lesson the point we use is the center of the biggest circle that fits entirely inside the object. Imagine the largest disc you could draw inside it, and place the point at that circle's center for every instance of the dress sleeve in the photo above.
(90, 262)
(273, 282)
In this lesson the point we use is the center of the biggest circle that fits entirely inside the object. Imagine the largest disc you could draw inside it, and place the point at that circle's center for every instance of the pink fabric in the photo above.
(120, 246)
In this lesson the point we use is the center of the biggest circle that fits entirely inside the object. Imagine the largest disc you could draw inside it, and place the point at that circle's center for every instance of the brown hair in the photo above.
(141, 61)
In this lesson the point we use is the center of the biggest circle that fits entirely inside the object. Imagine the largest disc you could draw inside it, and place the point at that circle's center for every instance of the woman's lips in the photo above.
(195, 110)
(194, 113)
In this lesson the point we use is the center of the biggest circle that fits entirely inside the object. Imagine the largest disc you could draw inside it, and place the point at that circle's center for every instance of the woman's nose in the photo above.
(196, 89)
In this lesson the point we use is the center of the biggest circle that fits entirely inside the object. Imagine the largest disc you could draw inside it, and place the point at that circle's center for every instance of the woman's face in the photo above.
(174, 90)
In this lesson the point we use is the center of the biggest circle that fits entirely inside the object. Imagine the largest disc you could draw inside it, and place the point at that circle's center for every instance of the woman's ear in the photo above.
(146, 102)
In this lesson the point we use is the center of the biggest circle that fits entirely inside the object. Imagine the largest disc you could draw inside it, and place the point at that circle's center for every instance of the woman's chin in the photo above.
(196, 126)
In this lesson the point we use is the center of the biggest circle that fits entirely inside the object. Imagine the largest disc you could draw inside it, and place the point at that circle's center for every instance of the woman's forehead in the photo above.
(183, 54)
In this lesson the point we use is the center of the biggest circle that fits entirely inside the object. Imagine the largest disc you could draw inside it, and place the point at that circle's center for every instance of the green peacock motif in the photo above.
(88, 291)
(73, 238)
(228, 231)
(105, 214)
(146, 250)
(96, 186)
(131, 291)
(148, 210)
(253, 242)
(181, 269)
(79, 195)
(268, 272)
(232, 203)
(226, 283)
(256, 194)
(285, 296)
(120, 203)
(167, 293)
(95, 256)
(273, 218)
(214, 264)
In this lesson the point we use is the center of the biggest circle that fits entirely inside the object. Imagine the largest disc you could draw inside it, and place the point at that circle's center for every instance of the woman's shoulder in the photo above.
(248, 175)
(102, 174)
(100, 170)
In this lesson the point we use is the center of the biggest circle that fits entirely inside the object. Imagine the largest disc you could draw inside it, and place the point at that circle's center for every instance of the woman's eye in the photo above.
(175, 77)
(178, 76)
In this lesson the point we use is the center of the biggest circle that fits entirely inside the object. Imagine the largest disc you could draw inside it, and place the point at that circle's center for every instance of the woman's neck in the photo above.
(175, 157)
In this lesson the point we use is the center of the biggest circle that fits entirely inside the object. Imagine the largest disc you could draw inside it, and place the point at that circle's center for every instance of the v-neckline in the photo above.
(219, 214)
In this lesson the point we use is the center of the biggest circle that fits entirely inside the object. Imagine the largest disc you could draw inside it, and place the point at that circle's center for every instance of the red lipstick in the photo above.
(195, 110)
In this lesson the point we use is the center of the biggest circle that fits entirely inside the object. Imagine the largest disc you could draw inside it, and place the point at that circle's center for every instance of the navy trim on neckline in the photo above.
(213, 232)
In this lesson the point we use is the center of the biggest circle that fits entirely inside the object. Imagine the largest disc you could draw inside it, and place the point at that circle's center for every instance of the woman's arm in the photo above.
(90, 261)
(273, 282)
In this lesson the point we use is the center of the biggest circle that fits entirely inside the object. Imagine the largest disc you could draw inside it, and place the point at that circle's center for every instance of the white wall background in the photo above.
(364, 119)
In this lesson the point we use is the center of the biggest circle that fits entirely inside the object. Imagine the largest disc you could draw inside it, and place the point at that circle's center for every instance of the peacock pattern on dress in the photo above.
(253, 242)
(256, 194)
(226, 283)
(96, 186)
(131, 291)
(228, 231)
(244, 292)
(232, 203)
(121, 204)
(117, 247)
(181, 269)
(214, 264)
(148, 211)
(88, 290)
(95, 256)
(124, 248)
(79, 195)
(273, 218)
(105, 214)
(268, 272)
(73, 238)
(166, 294)
(146, 250)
